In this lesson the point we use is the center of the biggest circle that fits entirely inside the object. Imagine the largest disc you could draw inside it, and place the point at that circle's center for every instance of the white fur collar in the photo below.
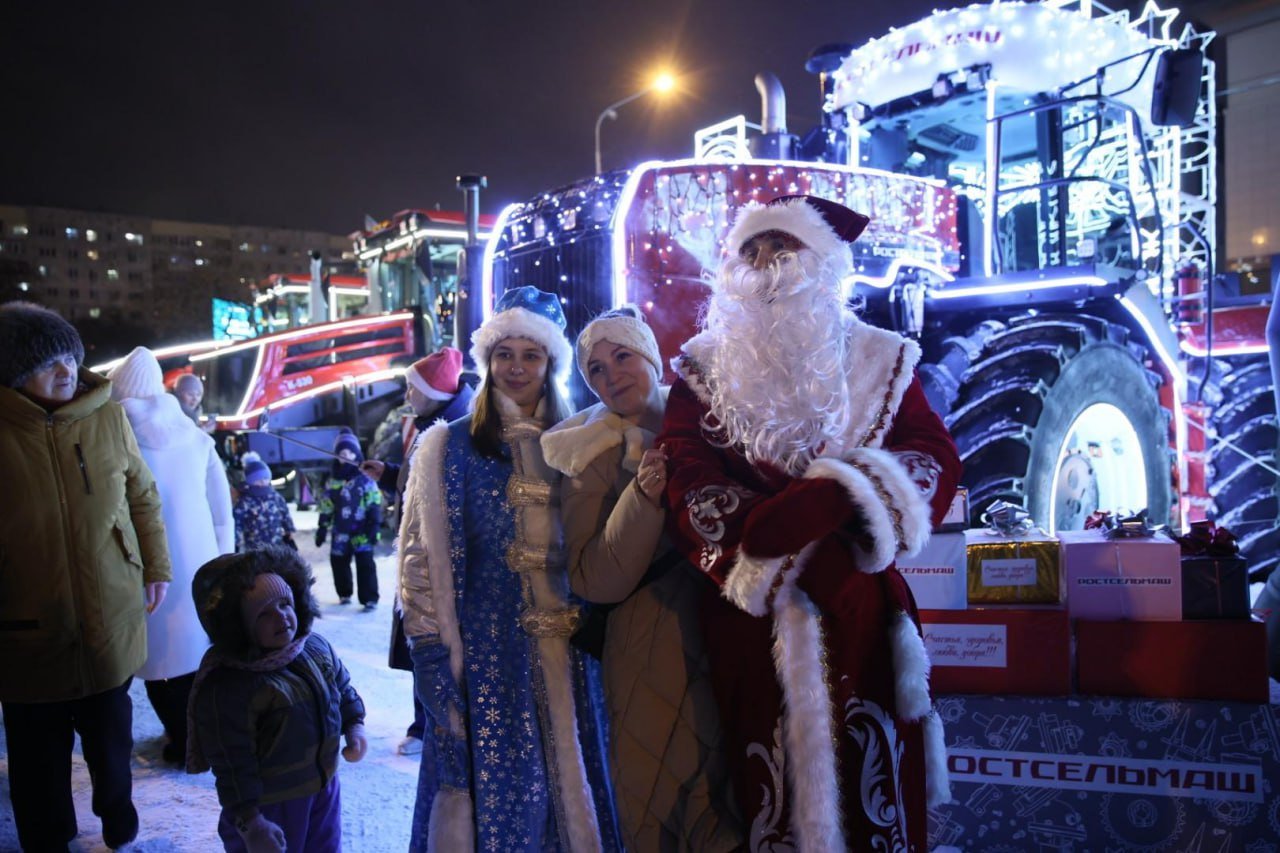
(572, 444)
(510, 413)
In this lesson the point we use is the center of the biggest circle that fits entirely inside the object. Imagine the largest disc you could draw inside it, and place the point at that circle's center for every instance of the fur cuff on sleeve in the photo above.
(898, 517)
(753, 581)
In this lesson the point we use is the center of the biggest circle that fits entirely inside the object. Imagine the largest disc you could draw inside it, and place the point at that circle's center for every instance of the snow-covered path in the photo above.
(179, 812)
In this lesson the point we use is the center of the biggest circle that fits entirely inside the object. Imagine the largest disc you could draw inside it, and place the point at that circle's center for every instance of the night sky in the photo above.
(311, 115)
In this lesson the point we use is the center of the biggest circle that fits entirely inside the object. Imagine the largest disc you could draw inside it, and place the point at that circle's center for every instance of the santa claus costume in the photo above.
(804, 459)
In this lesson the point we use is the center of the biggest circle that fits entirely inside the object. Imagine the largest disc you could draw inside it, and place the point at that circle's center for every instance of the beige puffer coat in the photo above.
(670, 781)
(79, 538)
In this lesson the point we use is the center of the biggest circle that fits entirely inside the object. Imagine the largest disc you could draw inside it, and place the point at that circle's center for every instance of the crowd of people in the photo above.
(669, 621)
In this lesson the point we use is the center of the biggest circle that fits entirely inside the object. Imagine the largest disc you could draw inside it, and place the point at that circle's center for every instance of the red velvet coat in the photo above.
(820, 672)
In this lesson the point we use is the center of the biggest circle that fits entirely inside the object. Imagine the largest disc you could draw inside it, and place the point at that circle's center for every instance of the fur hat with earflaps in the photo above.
(529, 313)
(30, 337)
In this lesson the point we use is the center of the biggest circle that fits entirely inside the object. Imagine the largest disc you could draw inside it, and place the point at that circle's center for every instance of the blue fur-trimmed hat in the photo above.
(529, 313)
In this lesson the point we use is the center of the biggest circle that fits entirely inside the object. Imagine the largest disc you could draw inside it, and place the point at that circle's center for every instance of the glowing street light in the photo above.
(661, 83)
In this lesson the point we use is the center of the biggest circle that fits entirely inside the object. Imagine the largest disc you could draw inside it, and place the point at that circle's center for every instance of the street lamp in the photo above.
(664, 82)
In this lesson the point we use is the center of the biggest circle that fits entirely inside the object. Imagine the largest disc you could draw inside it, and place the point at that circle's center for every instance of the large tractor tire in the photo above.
(1056, 413)
(1242, 446)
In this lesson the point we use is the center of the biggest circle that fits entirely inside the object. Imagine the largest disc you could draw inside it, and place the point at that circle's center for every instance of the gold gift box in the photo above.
(1020, 569)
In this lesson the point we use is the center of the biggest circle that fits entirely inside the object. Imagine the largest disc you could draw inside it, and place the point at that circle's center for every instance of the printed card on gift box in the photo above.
(1017, 568)
(999, 650)
(1137, 578)
(937, 574)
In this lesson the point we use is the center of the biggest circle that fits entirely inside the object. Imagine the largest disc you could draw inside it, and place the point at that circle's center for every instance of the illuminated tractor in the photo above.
(1041, 185)
(336, 365)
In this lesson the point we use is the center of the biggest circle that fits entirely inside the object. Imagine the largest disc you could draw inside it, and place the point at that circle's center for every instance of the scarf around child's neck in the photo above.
(214, 659)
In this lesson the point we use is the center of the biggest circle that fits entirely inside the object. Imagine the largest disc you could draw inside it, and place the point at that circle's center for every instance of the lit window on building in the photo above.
(20, 231)
(113, 275)
(91, 235)
(95, 313)
(135, 239)
(24, 286)
(244, 247)
(73, 233)
(92, 254)
(43, 270)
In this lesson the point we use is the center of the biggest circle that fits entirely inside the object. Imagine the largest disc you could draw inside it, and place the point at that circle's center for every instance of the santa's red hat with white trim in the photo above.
(822, 225)
(437, 375)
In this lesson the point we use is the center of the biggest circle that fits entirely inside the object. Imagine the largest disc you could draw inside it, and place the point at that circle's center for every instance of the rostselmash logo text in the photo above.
(1106, 773)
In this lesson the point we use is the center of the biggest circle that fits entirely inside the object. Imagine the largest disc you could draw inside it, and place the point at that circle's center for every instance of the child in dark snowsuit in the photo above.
(262, 517)
(268, 706)
(352, 505)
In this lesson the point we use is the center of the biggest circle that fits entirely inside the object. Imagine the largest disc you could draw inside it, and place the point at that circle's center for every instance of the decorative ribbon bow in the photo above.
(1007, 519)
(1206, 539)
(1131, 527)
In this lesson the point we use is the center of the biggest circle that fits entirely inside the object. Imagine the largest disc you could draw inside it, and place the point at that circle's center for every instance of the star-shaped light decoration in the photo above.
(1154, 22)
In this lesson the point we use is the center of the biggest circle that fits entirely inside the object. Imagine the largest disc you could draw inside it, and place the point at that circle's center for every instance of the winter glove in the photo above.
(260, 835)
(357, 743)
(805, 511)
(320, 532)
(440, 696)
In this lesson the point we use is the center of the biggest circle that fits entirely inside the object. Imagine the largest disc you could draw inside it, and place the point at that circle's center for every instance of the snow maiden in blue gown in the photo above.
(514, 752)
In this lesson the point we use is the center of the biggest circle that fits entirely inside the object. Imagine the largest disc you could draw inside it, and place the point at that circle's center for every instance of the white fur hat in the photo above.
(138, 375)
(528, 313)
(625, 326)
(824, 226)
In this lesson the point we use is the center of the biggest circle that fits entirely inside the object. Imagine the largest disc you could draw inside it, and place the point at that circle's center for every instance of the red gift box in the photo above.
(1216, 660)
(1015, 651)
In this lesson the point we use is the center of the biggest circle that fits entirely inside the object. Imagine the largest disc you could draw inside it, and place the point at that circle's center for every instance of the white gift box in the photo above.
(937, 574)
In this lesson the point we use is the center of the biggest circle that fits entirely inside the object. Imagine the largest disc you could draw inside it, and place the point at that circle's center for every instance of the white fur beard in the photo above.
(778, 375)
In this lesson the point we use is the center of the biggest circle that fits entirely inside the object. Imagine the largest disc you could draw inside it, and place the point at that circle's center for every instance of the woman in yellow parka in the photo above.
(83, 560)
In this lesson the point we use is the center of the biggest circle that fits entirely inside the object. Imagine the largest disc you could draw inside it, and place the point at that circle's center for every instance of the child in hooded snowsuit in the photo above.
(268, 706)
(352, 505)
(261, 514)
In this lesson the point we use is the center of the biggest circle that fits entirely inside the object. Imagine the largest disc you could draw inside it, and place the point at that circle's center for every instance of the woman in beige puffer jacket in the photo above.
(669, 774)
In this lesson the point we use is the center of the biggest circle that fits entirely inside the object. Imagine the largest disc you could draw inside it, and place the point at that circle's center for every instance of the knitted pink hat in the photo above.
(267, 589)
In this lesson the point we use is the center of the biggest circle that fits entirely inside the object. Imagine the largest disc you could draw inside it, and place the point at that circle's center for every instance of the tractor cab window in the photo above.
(226, 379)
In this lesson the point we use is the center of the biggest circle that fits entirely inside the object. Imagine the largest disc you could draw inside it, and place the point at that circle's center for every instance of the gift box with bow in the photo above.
(1120, 569)
(1215, 578)
(1011, 561)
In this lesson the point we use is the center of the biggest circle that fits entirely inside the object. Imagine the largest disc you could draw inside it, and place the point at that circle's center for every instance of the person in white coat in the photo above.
(196, 502)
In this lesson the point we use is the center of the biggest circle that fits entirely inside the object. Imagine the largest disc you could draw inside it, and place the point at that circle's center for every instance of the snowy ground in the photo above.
(179, 812)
